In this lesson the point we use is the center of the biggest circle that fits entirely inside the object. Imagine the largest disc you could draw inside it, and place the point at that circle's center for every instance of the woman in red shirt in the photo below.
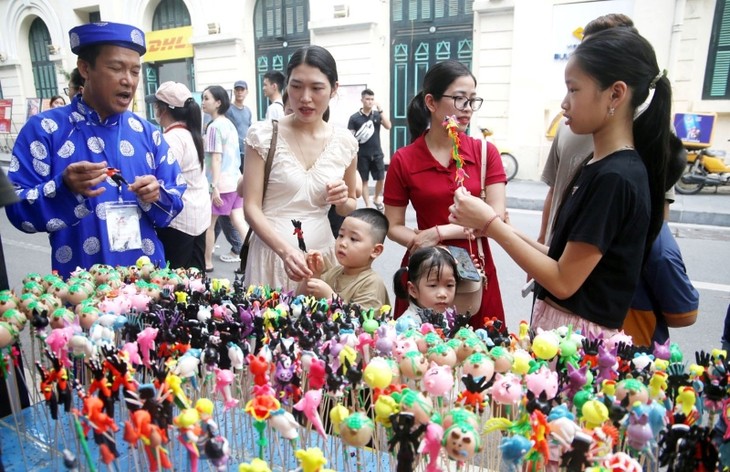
(423, 173)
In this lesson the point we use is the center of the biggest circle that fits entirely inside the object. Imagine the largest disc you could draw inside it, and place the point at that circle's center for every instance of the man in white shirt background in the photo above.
(273, 87)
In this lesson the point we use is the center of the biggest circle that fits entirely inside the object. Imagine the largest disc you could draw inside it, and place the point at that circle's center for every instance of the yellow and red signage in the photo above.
(169, 44)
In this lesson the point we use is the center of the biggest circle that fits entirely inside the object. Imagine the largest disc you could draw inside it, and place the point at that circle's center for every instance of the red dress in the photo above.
(415, 176)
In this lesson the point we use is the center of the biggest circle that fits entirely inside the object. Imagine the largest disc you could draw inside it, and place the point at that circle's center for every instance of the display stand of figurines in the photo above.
(144, 369)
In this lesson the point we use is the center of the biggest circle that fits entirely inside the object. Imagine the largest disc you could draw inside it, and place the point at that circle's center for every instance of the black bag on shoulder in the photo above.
(267, 172)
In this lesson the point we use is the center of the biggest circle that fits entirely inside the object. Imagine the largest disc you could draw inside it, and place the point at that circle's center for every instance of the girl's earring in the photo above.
(611, 111)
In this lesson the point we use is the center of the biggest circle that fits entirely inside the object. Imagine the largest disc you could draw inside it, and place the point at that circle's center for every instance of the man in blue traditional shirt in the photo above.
(67, 162)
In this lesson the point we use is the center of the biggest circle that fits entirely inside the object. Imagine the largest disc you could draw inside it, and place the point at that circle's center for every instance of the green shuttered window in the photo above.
(717, 73)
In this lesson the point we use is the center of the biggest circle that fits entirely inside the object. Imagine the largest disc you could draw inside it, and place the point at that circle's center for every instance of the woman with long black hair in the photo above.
(180, 117)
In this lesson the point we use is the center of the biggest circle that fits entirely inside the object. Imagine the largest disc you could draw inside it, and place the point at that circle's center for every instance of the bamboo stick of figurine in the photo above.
(11, 386)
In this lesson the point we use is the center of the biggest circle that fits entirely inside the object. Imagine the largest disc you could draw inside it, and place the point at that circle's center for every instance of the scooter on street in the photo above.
(509, 161)
(704, 169)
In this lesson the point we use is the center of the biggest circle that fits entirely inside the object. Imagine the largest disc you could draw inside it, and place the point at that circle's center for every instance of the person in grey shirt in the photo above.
(240, 114)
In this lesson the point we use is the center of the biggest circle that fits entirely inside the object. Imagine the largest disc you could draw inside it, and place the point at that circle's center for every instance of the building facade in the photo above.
(516, 48)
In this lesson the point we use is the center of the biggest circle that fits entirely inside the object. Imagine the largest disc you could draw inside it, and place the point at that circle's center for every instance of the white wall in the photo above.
(360, 45)
(514, 46)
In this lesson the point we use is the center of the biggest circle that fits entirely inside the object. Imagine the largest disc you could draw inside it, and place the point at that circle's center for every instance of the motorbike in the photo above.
(509, 161)
(704, 169)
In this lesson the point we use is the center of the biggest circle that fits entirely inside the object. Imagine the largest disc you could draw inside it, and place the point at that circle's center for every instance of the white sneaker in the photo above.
(230, 257)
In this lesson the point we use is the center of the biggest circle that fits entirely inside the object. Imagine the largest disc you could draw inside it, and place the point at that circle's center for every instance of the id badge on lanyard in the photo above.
(122, 226)
(122, 218)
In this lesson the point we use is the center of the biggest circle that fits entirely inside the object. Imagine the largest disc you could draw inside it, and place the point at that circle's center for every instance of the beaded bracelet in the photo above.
(489, 222)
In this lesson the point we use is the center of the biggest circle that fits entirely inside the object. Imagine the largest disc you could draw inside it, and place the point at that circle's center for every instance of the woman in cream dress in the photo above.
(314, 167)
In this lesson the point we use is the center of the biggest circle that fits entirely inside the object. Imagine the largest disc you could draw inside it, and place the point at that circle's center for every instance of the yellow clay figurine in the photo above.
(312, 460)
(256, 465)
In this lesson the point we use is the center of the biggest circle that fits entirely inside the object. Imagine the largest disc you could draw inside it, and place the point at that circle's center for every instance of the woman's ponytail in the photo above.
(652, 130)
(400, 286)
(419, 118)
(192, 117)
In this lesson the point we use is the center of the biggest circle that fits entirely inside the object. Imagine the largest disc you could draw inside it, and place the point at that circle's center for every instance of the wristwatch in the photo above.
(212, 187)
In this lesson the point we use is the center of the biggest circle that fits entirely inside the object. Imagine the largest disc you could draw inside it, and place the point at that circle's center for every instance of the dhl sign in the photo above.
(173, 43)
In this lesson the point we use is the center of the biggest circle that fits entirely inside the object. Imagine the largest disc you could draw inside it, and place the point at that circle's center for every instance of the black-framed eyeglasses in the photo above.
(65, 90)
(461, 101)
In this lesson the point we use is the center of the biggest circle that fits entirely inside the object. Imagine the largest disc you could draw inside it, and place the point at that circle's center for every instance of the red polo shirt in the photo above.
(415, 176)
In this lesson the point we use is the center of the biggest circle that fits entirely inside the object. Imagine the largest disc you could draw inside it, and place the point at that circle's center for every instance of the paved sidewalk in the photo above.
(706, 208)
(710, 207)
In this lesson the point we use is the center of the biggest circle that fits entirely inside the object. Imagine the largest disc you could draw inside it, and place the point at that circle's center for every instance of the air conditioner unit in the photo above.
(341, 11)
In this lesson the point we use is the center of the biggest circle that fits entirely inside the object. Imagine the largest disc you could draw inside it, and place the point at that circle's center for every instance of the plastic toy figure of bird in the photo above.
(300, 234)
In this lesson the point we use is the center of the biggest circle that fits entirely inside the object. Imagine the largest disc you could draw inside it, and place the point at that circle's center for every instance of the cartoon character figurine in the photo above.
(639, 434)
(259, 367)
(461, 441)
(407, 438)
(473, 395)
(386, 405)
(146, 342)
(235, 355)
(141, 428)
(223, 380)
(311, 460)
(413, 364)
(514, 448)
(317, 374)
(309, 405)
(284, 422)
(431, 446)
(187, 423)
(377, 373)
(479, 365)
(55, 386)
(543, 380)
(357, 429)
(506, 390)
(418, 404)
(577, 379)
(103, 426)
(438, 380)
(256, 465)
